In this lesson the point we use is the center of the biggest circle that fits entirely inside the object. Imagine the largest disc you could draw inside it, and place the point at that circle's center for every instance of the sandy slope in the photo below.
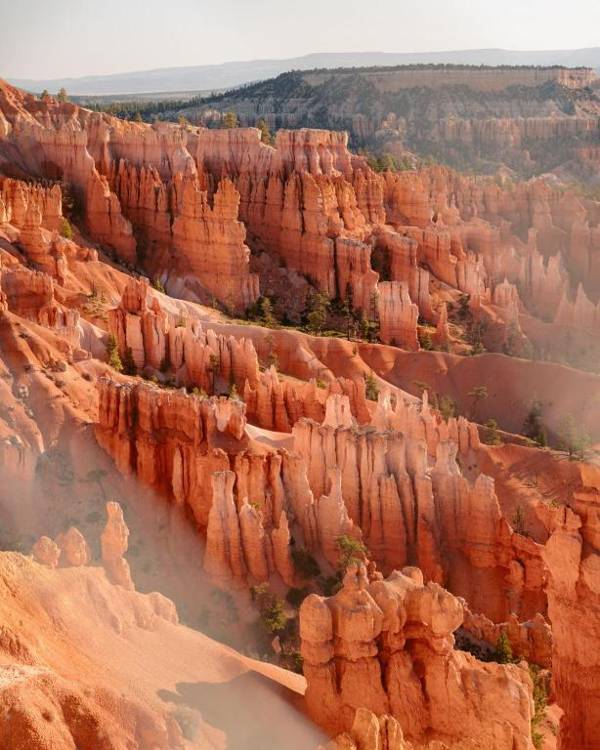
(77, 652)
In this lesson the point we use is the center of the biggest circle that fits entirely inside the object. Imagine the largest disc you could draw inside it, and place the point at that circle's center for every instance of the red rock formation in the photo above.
(131, 414)
(308, 201)
(571, 555)
(46, 552)
(433, 517)
(442, 332)
(114, 545)
(369, 732)
(163, 343)
(397, 315)
(213, 362)
(531, 640)
(394, 474)
(74, 550)
(387, 646)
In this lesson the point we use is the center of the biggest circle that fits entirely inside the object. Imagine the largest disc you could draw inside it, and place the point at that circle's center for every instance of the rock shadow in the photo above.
(253, 712)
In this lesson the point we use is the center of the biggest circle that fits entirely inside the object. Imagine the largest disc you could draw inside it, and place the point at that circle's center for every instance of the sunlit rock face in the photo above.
(387, 646)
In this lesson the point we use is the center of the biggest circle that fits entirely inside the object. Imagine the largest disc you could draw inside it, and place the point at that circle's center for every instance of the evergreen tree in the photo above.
(504, 654)
(573, 440)
(267, 317)
(66, 230)
(371, 387)
(318, 308)
(112, 354)
(265, 133)
(533, 427)
(230, 120)
(351, 549)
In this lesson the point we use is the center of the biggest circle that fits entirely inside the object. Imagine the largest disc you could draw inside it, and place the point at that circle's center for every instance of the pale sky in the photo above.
(60, 38)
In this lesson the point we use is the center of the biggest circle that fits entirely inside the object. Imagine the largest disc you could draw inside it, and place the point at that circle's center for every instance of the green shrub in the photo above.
(372, 389)
(533, 427)
(540, 702)
(351, 550)
(271, 608)
(503, 653)
(573, 440)
(230, 120)
(447, 407)
(66, 230)
(491, 435)
(265, 133)
(112, 354)
(425, 340)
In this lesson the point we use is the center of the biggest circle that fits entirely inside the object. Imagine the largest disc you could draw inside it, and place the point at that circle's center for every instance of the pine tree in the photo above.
(112, 354)
(504, 654)
(265, 133)
(62, 95)
(66, 230)
(318, 307)
(267, 317)
(351, 549)
(230, 120)
(371, 387)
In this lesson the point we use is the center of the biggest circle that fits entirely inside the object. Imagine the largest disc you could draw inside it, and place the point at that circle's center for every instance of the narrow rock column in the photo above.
(114, 543)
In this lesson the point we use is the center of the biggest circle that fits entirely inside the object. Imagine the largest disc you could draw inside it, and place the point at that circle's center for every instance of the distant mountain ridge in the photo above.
(231, 74)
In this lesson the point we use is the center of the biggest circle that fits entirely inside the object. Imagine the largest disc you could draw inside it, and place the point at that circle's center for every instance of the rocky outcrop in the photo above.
(176, 349)
(387, 646)
(370, 732)
(403, 488)
(131, 416)
(397, 315)
(573, 561)
(531, 640)
(114, 543)
(193, 240)
(519, 121)
(74, 550)
(46, 552)
(277, 404)
(173, 344)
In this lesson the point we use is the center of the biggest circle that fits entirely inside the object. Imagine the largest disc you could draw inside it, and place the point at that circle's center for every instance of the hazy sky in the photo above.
(59, 38)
